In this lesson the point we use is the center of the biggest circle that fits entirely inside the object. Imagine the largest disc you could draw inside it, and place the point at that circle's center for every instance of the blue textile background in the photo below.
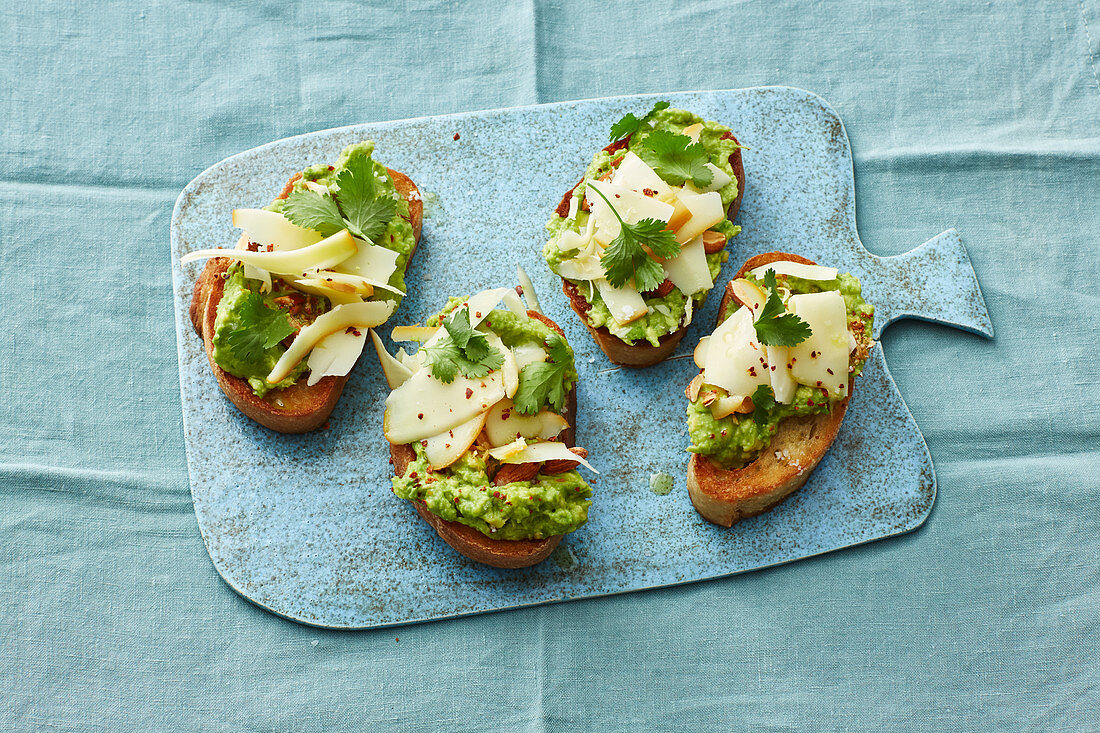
(973, 115)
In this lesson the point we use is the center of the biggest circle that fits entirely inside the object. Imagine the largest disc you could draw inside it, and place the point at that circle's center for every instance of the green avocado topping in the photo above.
(666, 313)
(376, 209)
(237, 317)
(737, 439)
(463, 492)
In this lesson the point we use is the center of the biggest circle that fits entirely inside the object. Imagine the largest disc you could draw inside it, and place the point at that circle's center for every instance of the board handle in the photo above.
(933, 282)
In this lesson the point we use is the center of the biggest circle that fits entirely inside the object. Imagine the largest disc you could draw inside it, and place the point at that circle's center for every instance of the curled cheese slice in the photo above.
(706, 211)
(796, 269)
(540, 452)
(423, 406)
(254, 273)
(624, 304)
(720, 179)
(688, 270)
(586, 266)
(420, 334)
(360, 284)
(320, 256)
(395, 371)
(444, 449)
(340, 318)
(505, 424)
(329, 288)
(700, 353)
(272, 228)
(335, 355)
(377, 263)
(481, 304)
(528, 289)
(508, 450)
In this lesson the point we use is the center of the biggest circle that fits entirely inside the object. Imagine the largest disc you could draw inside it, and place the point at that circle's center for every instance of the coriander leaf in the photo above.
(676, 159)
(459, 329)
(629, 123)
(656, 235)
(463, 349)
(442, 357)
(626, 257)
(543, 382)
(311, 210)
(774, 329)
(366, 210)
(763, 399)
(260, 328)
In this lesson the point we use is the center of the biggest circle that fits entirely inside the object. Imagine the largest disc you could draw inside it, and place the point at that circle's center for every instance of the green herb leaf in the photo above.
(629, 123)
(464, 349)
(625, 258)
(260, 328)
(543, 382)
(763, 399)
(311, 210)
(774, 329)
(676, 159)
(365, 209)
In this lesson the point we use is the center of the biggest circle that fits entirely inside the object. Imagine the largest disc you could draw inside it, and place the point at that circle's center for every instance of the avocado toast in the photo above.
(480, 422)
(774, 382)
(640, 239)
(284, 316)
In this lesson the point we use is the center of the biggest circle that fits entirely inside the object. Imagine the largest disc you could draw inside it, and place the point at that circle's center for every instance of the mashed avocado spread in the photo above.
(463, 492)
(300, 308)
(281, 300)
(736, 440)
(666, 313)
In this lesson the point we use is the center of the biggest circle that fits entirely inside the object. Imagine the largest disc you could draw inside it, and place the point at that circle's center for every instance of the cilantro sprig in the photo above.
(763, 400)
(464, 349)
(543, 382)
(260, 328)
(676, 158)
(358, 206)
(629, 123)
(775, 329)
(626, 258)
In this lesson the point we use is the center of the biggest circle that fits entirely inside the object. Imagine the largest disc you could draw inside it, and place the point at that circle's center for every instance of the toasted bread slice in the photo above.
(298, 408)
(640, 353)
(472, 543)
(725, 496)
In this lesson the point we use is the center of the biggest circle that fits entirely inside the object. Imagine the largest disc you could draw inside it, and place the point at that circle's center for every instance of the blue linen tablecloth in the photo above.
(973, 115)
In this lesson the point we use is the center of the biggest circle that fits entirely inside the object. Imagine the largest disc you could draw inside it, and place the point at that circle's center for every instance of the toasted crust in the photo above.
(639, 354)
(472, 543)
(725, 496)
(298, 408)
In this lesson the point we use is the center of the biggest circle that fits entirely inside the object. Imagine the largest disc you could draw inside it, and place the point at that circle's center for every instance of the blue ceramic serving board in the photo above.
(306, 526)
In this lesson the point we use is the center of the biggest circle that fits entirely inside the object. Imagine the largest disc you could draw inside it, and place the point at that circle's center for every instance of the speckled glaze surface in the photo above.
(306, 525)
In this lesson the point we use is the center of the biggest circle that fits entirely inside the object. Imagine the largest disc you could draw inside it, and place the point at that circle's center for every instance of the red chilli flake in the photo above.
(457, 136)
(469, 393)
(830, 372)
(420, 416)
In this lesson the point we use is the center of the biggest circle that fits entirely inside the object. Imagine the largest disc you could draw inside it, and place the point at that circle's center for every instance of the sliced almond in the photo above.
(713, 241)
(694, 386)
(726, 406)
(512, 472)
